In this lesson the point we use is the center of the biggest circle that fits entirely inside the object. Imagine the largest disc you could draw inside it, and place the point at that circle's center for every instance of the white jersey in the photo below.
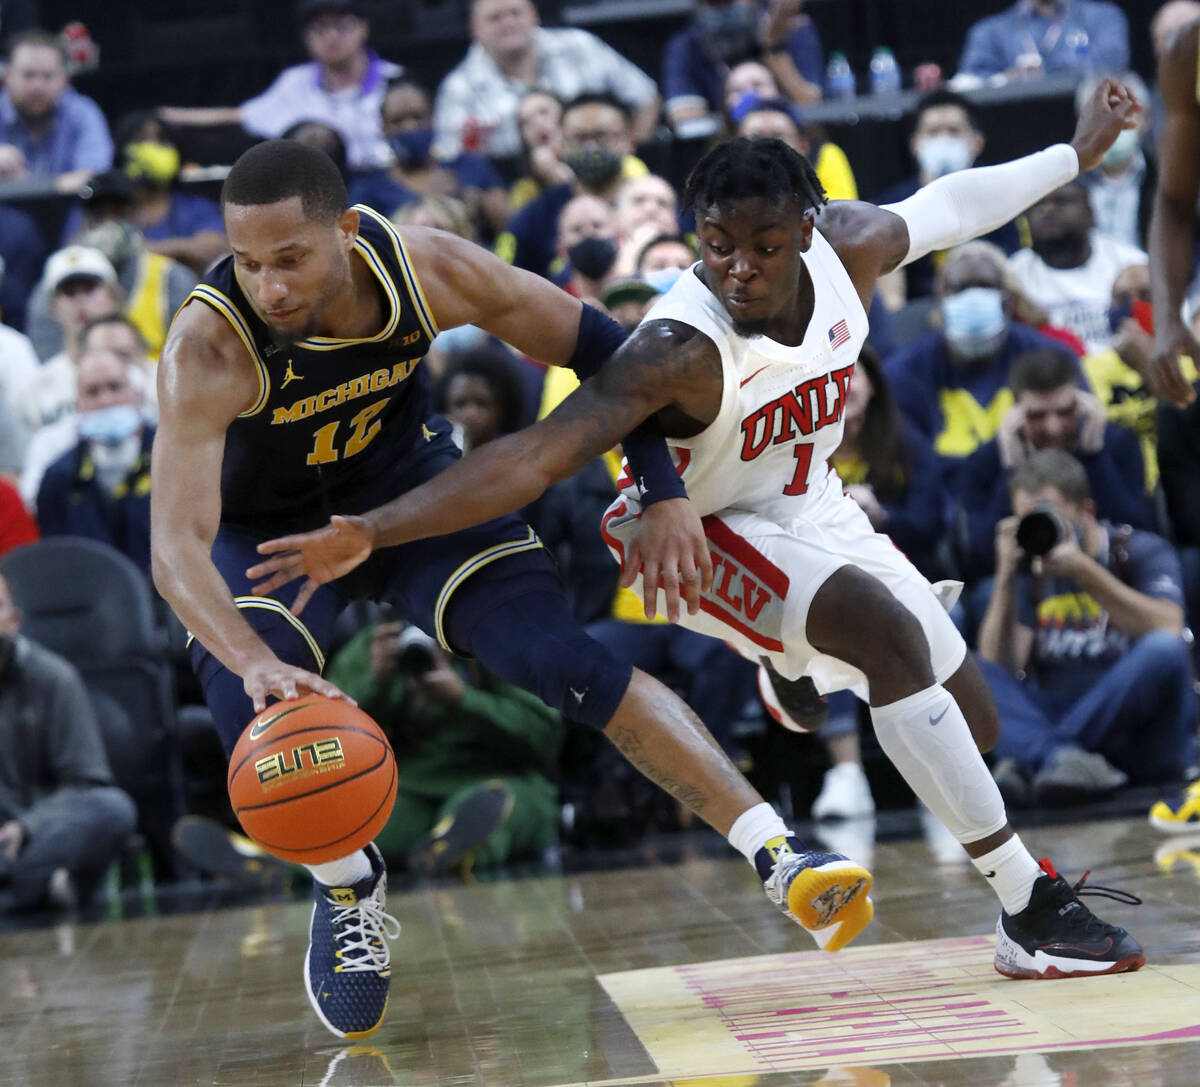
(781, 407)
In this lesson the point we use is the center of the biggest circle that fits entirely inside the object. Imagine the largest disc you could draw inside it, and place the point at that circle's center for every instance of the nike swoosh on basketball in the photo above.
(934, 720)
(259, 727)
(751, 377)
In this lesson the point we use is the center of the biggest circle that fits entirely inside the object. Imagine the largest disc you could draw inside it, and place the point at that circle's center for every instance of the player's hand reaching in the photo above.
(669, 548)
(1162, 372)
(1111, 109)
(272, 677)
(322, 555)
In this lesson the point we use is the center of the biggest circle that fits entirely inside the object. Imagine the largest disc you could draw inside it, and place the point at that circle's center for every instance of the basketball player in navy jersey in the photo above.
(290, 391)
(745, 362)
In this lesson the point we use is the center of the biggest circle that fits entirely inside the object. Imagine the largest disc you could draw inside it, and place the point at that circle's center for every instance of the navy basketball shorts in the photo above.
(490, 592)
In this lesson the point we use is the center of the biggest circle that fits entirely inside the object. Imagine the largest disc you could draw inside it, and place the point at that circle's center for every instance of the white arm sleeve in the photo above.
(963, 205)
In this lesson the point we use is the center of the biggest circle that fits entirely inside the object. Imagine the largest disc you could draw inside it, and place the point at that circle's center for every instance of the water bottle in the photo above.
(839, 78)
(885, 75)
(1076, 44)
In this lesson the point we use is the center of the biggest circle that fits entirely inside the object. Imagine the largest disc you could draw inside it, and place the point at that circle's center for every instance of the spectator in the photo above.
(947, 136)
(1115, 374)
(475, 754)
(628, 300)
(776, 118)
(101, 487)
(78, 286)
(110, 333)
(155, 286)
(47, 129)
(539, 122)
(62, 821)
(476, 105)
(952, 385)
(1095, 630)
(407, 117)
(1121, 189)
(661, 256)
(1071, 268)
(586, 245)
(341, 86)
(746, 81)
(598, 147)
(17, 526)
(722, 35)
(646, 208)
(1039, 37)
(324, 138)
(175, 224)
(22, 253)
(1050, 411)
(481, 394)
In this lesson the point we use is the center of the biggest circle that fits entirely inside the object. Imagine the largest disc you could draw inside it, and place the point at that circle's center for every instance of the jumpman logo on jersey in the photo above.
(290, 375)
(426, 433)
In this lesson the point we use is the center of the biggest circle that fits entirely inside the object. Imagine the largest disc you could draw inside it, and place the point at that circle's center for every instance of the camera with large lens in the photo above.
(416, 652)
(1040, 531)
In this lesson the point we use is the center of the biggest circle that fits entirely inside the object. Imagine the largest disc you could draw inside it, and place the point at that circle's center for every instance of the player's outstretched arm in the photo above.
(872, 241)
(1173, 227)
(662, 364)
(202, 386)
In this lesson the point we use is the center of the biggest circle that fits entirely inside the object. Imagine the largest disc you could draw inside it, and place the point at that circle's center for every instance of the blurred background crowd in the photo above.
(997, 427)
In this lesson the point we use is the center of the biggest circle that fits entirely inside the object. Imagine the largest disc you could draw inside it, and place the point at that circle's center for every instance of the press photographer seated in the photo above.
(473, 753)
(1082, 645)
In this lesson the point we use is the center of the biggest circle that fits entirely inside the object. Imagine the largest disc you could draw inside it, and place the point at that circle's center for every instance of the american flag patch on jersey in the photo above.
(839, 334)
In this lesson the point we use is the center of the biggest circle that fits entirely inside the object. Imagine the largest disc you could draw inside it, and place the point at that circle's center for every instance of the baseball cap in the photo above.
(307, 10)
(77, 262)
(114, 185)
(631, 289)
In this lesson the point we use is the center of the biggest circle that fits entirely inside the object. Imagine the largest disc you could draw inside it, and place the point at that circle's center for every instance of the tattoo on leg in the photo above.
(632, 748)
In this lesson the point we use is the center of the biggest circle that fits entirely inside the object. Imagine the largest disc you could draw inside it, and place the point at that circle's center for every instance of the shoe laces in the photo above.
(361, 931)
(1064, 894)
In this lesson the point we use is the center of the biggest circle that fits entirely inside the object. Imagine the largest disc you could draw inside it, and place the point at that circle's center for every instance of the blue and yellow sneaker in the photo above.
(348, 970)
(1180, 814)
(825, 893)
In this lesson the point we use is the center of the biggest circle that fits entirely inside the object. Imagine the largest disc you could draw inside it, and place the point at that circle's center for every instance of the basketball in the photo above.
(312, 779)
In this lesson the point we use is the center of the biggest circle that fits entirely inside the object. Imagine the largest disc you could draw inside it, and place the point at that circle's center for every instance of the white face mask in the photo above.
(941, 155)
(1124, 147)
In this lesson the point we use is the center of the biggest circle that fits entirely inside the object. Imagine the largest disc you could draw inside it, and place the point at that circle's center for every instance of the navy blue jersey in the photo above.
(332, 416)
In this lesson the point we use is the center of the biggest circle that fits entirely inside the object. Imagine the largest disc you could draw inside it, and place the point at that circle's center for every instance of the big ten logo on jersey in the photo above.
(301, 761)
(748, 590)
(798, 413)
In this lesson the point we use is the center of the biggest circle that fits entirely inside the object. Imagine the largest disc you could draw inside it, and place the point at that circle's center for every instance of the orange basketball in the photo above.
(312, 779)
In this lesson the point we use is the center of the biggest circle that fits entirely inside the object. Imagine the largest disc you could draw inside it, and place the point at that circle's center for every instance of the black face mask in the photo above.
(593, 257)
(595, 167)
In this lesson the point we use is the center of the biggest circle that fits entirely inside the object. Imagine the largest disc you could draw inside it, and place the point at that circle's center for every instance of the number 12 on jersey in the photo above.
(363, 429)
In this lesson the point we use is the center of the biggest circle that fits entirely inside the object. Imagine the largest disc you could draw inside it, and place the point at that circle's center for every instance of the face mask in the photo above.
(595, 167)
(1123, 148)
(593, 257)
(941, 155)
(411, 148)
(111, 425)
(157, 163)
(1118, 315)
(664, 279)
(727, 30)
(974, 321)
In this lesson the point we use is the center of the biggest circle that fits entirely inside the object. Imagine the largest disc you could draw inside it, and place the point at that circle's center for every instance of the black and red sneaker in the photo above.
(1057, 936)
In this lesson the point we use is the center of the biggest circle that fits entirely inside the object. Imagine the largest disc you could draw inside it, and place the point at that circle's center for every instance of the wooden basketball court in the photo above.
(680, 974)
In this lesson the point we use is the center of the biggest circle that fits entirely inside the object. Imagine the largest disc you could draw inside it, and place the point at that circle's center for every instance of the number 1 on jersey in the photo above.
(803, 452)
(363, 429)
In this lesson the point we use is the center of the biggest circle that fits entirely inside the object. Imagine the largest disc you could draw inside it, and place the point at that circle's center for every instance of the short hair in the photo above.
(774, 104)
(942, 97)
(113, 319)
(599, 98)
(740, 169)
(41, 39)
(1052, 468)
(663, 239)
(280, 169)
(1041, 371)
(495, 367)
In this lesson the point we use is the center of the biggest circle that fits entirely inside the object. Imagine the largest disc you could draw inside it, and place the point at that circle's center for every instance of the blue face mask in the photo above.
(111, 425)
(974, 321)
(664, 279)
(412, 147)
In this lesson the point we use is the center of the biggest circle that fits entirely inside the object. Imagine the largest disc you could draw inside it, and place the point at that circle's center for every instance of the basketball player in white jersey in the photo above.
(746, 361)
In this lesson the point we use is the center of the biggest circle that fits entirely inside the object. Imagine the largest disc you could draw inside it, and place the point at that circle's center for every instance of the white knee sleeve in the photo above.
(928, 740)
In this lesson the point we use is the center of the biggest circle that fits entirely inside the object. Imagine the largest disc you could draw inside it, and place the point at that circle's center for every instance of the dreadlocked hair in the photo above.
(741, 169)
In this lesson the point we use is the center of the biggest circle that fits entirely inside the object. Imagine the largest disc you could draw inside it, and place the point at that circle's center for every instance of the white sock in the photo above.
(929, 742)
(754, 828)
(1011, 871)
(344, 872)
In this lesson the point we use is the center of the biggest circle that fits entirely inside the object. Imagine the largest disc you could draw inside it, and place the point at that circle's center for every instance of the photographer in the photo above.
(1082, 645)
(474, 755)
